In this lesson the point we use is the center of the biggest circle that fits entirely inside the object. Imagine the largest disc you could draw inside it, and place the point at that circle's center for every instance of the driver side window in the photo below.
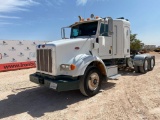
(104, 29)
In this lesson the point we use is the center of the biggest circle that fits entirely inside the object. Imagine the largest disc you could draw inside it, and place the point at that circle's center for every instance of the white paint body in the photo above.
(64, 52)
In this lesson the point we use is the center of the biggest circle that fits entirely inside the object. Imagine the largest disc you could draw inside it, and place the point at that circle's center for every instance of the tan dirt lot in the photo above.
(133, 97)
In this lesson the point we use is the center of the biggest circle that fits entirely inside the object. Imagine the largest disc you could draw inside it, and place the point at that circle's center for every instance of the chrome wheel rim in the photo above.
(93, 81)
(152, 63)
(146, 65)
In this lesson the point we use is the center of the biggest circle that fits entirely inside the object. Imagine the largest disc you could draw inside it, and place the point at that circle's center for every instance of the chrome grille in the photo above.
(44, 60)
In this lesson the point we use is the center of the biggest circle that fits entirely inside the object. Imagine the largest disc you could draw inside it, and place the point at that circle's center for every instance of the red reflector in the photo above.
(77, 48)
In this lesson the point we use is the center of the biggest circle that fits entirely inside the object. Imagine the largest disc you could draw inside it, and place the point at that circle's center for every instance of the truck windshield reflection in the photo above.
(85, 29)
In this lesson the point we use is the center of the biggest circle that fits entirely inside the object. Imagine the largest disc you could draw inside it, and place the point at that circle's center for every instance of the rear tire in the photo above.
(129, 62)
(143, 69)
(152, 64)
(136, 68)
(90, 83)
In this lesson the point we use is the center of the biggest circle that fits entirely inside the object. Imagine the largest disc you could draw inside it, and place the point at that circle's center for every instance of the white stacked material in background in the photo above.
(150, 47)
(18, 51)
(15, 55)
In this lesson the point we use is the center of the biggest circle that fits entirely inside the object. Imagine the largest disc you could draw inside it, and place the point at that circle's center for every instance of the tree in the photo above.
(135, 43)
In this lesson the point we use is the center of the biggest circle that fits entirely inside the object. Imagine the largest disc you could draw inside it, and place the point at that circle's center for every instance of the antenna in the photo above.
(80, 18)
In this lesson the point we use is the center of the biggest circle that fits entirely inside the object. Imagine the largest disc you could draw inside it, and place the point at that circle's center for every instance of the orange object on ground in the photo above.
(17, 66)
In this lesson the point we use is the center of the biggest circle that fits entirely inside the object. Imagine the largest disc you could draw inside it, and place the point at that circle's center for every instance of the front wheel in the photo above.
(90, 83)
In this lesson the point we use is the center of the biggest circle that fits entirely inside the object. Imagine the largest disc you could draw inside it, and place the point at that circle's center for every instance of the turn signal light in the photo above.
(67, 67)
(73, 67)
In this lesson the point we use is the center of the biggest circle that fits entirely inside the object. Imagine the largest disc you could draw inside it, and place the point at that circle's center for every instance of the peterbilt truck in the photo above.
(95, 50)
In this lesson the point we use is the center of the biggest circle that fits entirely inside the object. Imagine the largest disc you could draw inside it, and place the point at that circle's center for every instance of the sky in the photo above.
(43, 19)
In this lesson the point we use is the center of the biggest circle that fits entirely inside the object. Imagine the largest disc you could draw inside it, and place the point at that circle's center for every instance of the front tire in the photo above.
(90, 83)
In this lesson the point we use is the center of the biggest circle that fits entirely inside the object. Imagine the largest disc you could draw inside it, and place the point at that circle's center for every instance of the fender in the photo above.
(82, 61)
(139, 59)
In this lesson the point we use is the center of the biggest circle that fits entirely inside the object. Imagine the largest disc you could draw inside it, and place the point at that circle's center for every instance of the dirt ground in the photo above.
(133, 97)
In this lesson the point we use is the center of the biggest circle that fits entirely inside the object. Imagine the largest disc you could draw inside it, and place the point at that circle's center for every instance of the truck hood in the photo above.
(67, 49)
(65, 42)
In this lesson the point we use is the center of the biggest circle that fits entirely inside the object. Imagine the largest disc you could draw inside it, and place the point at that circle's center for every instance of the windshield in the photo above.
(85, 29)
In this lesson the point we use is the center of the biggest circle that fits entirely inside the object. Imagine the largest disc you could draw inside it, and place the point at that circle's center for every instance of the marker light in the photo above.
(97, 17)
(73, 67)
(88, 19)
(82, 20)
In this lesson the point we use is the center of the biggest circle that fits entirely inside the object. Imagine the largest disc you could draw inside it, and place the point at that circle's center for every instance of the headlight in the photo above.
(67, 67)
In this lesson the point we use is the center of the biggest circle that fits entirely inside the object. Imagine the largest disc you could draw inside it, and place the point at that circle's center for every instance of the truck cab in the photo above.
(90, 55)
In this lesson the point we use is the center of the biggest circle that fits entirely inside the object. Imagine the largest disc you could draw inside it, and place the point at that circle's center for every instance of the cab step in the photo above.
(112, 72)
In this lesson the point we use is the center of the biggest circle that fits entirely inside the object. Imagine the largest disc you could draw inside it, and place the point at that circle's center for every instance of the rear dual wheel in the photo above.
(136, 68)
(148, 65)
(144, 68)
(152, 64)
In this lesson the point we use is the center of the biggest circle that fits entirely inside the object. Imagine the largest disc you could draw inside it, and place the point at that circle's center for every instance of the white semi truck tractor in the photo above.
(92, 54)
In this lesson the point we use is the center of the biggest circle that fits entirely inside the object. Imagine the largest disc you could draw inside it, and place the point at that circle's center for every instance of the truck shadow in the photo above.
(39, 100)
(129, 72)
(107, 85)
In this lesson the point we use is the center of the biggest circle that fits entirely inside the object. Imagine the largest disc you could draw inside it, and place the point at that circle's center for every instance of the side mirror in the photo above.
(110, 26)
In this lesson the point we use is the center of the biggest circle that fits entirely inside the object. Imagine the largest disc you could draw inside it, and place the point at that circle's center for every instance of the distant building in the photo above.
(149, 47)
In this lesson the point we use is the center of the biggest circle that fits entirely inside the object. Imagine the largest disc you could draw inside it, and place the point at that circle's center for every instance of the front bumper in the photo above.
(58, 84)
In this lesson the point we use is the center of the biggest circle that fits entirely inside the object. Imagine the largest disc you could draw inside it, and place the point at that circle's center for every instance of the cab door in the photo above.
(105, 41)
